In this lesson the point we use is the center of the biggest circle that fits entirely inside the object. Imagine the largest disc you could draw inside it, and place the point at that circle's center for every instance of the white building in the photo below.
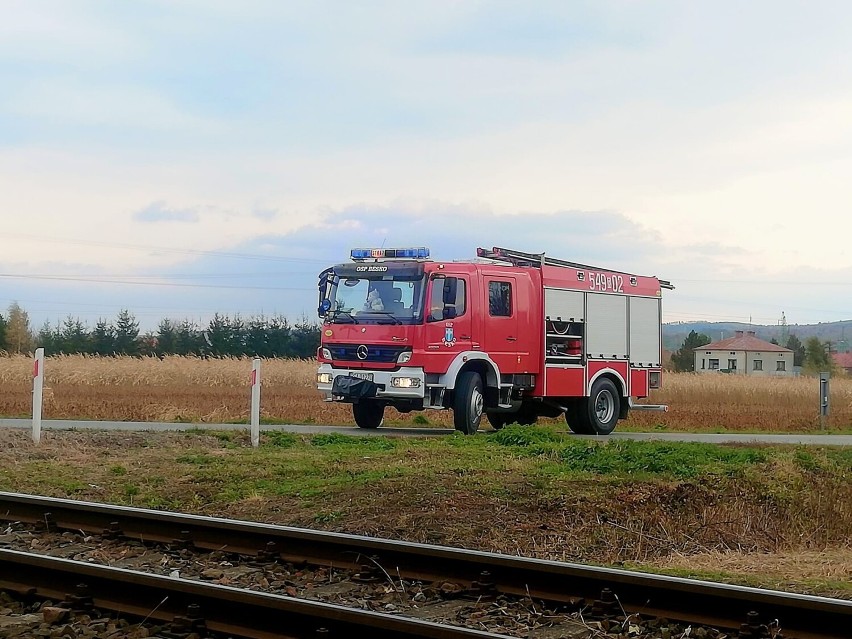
(744, 354)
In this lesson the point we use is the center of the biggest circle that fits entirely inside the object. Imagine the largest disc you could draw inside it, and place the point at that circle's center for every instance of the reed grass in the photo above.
(194, 389)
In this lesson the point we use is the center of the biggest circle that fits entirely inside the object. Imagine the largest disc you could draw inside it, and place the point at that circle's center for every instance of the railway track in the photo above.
(193, 608)
(469, 587)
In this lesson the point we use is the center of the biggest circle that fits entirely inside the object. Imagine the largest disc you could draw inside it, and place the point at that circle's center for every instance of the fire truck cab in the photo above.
(509, 335)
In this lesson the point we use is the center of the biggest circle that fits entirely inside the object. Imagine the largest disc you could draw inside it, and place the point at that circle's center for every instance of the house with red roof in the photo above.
(744, 354)
(843, 361)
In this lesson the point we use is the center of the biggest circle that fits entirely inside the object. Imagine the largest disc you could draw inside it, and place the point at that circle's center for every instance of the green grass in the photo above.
(222, 467)
(620, 458)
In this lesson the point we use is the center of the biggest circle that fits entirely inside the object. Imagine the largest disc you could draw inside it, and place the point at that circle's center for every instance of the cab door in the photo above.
(500, 337)
(448, 326)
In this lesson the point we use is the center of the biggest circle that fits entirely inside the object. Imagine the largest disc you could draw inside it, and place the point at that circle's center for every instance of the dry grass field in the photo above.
(192, 389)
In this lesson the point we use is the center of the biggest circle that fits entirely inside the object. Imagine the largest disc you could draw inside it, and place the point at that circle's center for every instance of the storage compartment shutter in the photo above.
(644, 331)
(563, 305)
(606, 326)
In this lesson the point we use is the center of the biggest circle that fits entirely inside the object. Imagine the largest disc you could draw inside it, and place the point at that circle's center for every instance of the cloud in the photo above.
(264, 213)
(159, 212)
(454, 231)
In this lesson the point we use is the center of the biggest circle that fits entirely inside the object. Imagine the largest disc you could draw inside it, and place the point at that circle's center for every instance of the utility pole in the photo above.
(784, 329)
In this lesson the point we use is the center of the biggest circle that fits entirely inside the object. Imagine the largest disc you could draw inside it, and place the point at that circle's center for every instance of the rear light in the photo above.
(654, 379)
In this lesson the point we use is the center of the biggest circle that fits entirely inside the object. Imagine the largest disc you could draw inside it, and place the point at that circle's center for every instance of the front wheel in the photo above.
(368, 414)
(599, 412)
(468, 403)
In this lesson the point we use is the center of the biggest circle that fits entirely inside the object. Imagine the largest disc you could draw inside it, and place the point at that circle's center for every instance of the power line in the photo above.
(163, 249)
(182, 276)
(59, 278)
(768, 282)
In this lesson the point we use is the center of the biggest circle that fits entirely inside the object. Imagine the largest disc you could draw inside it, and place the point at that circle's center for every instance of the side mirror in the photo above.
(325, 279)
(450, 288)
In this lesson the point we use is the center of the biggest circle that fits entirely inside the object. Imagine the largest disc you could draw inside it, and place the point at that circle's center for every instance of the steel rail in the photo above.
(230, 611)
(713, 604)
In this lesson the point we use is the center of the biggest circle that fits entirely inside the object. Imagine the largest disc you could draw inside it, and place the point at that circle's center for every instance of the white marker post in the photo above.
(38, 392)
(255, 402)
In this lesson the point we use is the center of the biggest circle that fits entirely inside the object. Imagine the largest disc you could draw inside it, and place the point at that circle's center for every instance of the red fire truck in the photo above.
(511, 335)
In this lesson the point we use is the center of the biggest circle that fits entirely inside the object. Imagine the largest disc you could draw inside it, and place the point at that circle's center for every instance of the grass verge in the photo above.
(531, 491)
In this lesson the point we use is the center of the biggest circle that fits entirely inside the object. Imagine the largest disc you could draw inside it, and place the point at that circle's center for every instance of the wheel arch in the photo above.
(472, 361)
(614, 376)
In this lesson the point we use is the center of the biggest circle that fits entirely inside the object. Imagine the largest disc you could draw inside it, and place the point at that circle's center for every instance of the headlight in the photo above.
(404, 357)
(326, 353)
(405, 382)
(324, 378)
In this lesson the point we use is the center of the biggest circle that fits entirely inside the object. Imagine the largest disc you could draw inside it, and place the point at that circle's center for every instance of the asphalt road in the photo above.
(63, 424)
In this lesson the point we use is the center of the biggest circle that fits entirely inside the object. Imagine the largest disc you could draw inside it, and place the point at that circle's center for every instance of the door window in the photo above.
(448, 298)
(500, 299)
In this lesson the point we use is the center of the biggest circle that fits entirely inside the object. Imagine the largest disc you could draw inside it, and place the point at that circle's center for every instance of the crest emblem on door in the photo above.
(449, 337)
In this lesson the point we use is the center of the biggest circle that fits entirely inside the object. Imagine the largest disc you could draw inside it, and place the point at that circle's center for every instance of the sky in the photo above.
(179, 159)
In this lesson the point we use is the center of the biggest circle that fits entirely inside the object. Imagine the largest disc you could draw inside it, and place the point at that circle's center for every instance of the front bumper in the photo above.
(381, 379)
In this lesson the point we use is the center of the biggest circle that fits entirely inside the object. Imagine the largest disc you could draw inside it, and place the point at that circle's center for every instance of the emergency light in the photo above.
(379, 253)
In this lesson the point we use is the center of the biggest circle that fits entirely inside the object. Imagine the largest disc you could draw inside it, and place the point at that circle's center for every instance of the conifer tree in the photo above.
(19, 337)
(683, 358)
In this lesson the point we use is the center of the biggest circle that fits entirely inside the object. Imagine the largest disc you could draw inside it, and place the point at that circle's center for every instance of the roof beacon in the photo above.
(359, 254)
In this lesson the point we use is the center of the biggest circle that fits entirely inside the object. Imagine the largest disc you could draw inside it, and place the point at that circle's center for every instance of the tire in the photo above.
(598, 413)
(468, 403)
(498, 420)
(368, 414)
(572, 418)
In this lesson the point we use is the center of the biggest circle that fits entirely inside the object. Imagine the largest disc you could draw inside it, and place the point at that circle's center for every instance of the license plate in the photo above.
(367, 376)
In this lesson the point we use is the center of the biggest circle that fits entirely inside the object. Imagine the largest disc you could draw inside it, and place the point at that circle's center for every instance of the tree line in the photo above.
(222, 336)
(813, 355)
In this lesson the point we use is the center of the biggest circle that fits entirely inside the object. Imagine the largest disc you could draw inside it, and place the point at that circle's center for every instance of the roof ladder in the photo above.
(520, 258)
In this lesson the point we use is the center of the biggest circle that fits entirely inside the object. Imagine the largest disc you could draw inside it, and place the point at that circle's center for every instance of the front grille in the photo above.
(375, 353)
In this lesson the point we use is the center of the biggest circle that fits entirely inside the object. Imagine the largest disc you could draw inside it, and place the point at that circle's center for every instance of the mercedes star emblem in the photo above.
(362, 352)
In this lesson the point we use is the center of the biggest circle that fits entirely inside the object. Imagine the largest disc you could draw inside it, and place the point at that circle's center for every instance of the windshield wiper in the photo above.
(395, 319)
(340, 311)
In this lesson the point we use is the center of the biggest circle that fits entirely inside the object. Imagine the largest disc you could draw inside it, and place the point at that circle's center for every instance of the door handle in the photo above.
(511, 339)
(464, 336)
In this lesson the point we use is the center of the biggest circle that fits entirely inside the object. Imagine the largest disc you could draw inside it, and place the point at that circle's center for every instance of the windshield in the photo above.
(382, 299)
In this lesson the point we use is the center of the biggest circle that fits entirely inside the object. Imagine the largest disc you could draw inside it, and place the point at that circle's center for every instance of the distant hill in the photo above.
(838, 333)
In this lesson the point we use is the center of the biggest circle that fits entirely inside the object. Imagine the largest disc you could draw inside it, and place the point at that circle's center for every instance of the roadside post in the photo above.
(823, 398)
(255, 402)
(38, 392)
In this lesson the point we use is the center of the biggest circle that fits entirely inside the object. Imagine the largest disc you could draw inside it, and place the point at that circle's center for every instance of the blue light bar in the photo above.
(420, 253)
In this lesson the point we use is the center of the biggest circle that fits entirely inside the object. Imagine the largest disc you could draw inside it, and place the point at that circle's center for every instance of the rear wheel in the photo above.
(599, 412)
(468, 403)
(368, 414)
